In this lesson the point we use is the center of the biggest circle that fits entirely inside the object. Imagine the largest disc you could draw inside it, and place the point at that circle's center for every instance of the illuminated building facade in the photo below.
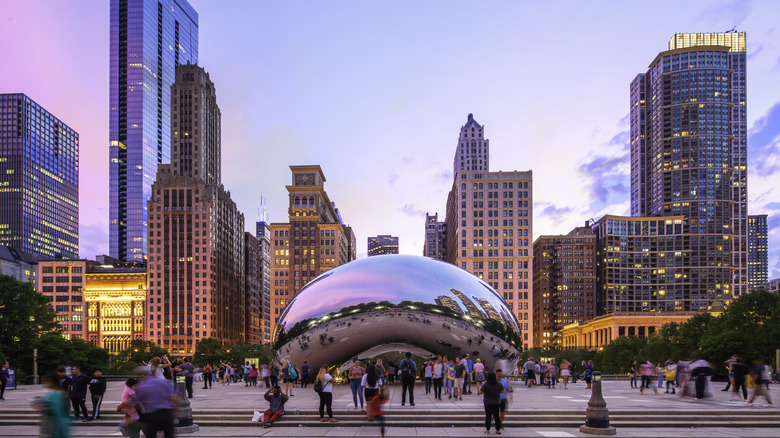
(602, 330)
(489, 224)
(39, 180)
(115, 298)
(63, 282)
(758, 266)
(196, 233)
(149, 39)
(435, 238)
(689, 155)
(564, 283)
(315, 239)
(382, 245)
(647, 264)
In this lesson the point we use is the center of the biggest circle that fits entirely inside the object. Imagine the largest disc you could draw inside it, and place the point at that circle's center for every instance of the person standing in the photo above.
(529, 367)
(97, 387)
(479, 373)
(460, 375)
(450, 382)
(305, 374)
(288, 377)
(469, 374)
(632, 374)
(156, 399)
(408, 371)
(428, 376)
(188, 370)
(326, 395)
(265, 374)
(670, 376)
(273, 373)
(207, 376)
(65, 383)
(245, 369)
(504, 395)
(565, 373)
(276, 398)
(740, 371)
(380, 370)
(437, 370)
(4, 378)
(587, 372)
(253, 373)
(355, 376)
(54, 409)
(78, 393)
(492, 401)
(371, 382)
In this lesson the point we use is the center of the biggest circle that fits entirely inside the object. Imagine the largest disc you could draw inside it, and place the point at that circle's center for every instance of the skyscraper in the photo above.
(263, 235)
(435, 245)
(315, 239)
(196, 233)
(39, 180)
(149, 39)
(758, 266)
(490, 224)
(379, 245)
(689, 155)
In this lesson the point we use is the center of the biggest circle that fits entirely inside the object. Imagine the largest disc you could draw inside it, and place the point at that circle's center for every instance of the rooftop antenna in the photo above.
(262, 212)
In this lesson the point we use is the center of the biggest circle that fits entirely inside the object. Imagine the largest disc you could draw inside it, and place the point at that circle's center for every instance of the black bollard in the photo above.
(185, 423)
(597, 415)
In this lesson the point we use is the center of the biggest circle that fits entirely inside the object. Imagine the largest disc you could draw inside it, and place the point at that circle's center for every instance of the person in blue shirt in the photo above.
(156, 399)
(507, 389)
(469, 374)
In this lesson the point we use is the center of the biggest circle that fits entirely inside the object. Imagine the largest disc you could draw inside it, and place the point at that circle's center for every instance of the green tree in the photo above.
(616, 356)
(138, 353)
(209, 350)
(24, 313)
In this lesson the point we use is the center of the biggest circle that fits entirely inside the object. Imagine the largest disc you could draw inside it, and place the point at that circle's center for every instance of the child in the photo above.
(127, 406)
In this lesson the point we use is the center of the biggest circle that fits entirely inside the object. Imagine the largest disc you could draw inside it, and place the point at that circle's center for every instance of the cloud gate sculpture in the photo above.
(396, 303)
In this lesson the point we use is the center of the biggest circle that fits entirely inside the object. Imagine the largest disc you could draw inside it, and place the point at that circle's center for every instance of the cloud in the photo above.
(392, 179)
(412, 210)
(92, 240)
(764, 142)
(773, 206)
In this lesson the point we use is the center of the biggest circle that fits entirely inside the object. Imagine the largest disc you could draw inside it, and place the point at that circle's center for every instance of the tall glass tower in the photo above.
(689, 157)
(39, 180)
(149, 38)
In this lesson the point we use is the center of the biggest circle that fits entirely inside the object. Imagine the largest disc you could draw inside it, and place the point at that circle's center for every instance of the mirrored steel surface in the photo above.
(382, 303)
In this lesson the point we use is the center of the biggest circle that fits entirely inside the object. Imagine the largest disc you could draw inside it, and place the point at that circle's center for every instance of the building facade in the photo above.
(758, 241)
(63, 282)
(39, 180)
(689, 154)
(315, 240)
(253, 289)
(564, 273)
(149, 39)
(196, 233)
(473, 151)
(22, 267)
(773, 285)
(382, 245)
(435, 237)
(263, 235)
(602, 330)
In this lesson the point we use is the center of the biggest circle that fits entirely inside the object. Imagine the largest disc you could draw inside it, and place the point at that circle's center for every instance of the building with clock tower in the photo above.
(313, 241)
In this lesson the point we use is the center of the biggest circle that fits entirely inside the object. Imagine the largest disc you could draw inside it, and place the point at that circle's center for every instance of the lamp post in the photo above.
(597, 415)
(183, 410)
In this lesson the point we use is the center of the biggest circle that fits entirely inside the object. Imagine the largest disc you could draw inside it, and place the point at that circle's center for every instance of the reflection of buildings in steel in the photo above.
(472, 308)
(420, 303)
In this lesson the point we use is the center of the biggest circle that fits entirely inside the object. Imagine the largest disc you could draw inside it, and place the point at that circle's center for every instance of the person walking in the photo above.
(740, 372)
(408, 371)
(156, 400)
(325, 381)
(646, 370)
(207, 377)
(265, 374)
(130, 425)
(376, 411)
(670, 375)
(355, 376)
(701, 370)
(54, 410)
(276, 398)
(5, 376)
(186, 369)
(759, 375)
(479, 373)
(78, 393)
(371, 382)
(565, 372)
(97, 387)
(437, 376)
(492, 390)
(253, 373)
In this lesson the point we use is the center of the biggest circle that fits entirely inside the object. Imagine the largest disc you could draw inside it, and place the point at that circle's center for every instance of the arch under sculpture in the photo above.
(396, 303)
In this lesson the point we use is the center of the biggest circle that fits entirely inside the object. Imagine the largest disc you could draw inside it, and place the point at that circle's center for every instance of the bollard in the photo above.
(184, 411)
(597, 415)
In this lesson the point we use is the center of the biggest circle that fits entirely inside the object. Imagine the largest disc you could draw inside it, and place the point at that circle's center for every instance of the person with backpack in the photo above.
(288, 377)
(323, 385)
(408, 371)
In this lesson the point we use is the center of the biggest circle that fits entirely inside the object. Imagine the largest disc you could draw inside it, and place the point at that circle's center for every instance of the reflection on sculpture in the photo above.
(382, 303)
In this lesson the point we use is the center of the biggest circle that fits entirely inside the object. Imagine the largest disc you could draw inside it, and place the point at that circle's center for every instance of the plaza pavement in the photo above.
(237, 397)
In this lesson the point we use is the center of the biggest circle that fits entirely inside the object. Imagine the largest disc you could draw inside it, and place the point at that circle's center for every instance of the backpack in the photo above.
(318, 386)
(291, 374)
(405, 369)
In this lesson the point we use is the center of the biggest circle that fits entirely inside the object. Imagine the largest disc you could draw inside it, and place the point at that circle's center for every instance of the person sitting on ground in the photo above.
(277, 399)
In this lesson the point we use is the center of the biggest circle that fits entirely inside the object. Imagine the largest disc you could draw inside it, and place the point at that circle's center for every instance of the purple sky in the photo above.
(375, 92)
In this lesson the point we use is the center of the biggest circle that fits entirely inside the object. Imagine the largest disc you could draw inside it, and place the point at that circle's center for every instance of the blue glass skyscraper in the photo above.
(149, 38)
(39, 180)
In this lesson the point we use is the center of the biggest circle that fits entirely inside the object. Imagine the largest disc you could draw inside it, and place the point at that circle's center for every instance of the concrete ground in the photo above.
(617, 394)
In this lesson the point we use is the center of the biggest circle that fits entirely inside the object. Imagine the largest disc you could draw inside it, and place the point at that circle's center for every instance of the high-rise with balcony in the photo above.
(382, 244)
(149, 39)
(39, 180)
(489, 224)
(196, 233)
(689, 156)
(758, 266)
